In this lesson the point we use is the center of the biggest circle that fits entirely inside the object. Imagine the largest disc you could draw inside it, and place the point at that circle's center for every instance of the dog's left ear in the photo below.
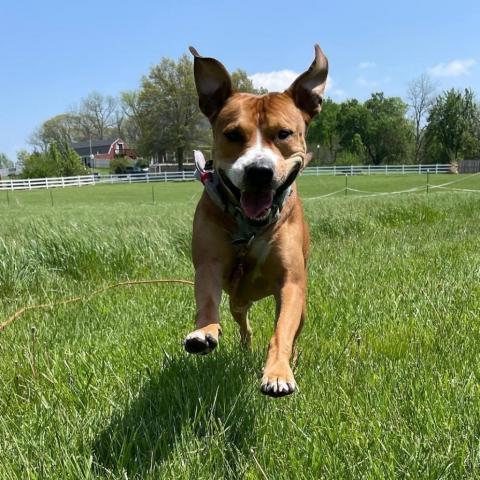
(213, 84)
(307, 90)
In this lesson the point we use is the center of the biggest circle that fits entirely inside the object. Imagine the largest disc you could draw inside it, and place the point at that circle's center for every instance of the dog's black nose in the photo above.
(258, 176)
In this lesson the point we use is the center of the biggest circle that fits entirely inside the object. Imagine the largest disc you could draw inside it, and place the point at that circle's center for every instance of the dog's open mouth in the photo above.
(257, 204)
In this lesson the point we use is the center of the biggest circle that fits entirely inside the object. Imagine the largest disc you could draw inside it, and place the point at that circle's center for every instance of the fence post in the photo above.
(403, 169)
(436, 168)
(369, 169)
(46, 182)
(148, 178)
(419, 168)
(183, 175)
(386, 169)
(165, 176)
(29, 184)
(78, 181)
(11, 184)
(63, 182)
(351, 169)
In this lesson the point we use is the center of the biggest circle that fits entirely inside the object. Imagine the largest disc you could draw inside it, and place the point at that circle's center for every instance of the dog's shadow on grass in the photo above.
(188, 398)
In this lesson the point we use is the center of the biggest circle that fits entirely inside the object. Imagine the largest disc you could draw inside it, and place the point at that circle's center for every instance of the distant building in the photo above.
(11, 171)
(99, 153)
(469, 166)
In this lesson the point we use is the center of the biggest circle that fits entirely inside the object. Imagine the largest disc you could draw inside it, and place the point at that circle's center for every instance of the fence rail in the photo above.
(79, 181)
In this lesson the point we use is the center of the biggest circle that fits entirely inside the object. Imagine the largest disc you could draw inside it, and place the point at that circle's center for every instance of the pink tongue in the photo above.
(256, 204)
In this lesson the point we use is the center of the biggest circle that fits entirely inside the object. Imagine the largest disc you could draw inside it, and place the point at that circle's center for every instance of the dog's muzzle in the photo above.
(261, 194)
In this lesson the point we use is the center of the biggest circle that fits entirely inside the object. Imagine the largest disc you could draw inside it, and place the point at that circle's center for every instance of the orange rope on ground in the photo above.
(66, 301)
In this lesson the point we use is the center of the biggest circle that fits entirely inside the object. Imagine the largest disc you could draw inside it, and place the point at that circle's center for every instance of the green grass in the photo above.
(388, 370)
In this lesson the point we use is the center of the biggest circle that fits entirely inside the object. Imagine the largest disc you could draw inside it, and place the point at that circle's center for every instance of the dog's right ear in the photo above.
(213, 84)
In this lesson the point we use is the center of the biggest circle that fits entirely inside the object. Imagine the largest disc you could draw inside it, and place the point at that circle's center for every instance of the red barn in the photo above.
(99, 153)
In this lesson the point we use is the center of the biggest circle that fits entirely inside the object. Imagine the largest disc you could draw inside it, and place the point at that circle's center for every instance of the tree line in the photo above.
(162, 117)
(426, 128)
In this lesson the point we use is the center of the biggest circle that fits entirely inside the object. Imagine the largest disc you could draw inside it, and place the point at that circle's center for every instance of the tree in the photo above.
(351, 118)
(5, 162)
(420, 95)
(120, 165)
(388, 133)
(131, 127)
(22, 157)
(323, 129)
(453, 125)
(241, 83)
(60, 129)
(56, 161)
(98, 116)
(377, 129)
(166, 110)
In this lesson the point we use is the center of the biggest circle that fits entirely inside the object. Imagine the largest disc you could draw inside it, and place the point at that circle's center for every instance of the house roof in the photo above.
(107, 142)
(98, 146)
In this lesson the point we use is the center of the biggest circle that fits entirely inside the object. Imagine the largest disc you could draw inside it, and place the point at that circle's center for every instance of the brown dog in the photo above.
(249, 234)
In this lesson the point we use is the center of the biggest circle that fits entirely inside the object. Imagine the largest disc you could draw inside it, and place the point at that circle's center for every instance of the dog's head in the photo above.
(259, 140)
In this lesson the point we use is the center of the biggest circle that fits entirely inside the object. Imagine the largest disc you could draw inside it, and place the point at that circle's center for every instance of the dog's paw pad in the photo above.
(277, 387)
(199, 343)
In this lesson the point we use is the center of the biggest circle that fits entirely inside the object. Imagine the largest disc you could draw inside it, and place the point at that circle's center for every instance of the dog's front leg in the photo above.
(278, 377)
(208, 292)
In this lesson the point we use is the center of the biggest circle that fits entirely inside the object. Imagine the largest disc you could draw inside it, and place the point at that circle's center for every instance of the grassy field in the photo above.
(389, 366)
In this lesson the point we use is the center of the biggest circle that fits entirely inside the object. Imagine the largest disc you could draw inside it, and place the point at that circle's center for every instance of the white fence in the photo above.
(377, 169)
(62, 182)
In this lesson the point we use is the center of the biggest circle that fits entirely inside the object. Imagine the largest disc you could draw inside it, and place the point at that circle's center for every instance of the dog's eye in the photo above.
(234, 135)
(284, 133)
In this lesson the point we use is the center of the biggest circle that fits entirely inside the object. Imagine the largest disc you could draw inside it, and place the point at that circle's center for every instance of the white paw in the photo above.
(199, 343)
(277, 386)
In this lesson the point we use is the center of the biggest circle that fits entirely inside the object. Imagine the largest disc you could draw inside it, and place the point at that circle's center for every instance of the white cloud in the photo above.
(455, 68)
(277, 81)
(365, 65)
(280, 80)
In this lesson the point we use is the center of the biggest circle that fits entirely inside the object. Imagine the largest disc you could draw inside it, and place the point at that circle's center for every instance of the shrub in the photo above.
(119, 165)
(57, 161)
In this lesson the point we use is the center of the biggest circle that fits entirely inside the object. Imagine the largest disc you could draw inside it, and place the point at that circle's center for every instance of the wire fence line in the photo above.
(95, 179)
(427, 187)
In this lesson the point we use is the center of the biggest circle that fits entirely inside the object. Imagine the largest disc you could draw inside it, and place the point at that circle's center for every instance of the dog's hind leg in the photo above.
(240, 315)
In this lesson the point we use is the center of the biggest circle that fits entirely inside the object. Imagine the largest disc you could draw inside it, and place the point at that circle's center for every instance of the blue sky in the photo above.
(53, 53)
